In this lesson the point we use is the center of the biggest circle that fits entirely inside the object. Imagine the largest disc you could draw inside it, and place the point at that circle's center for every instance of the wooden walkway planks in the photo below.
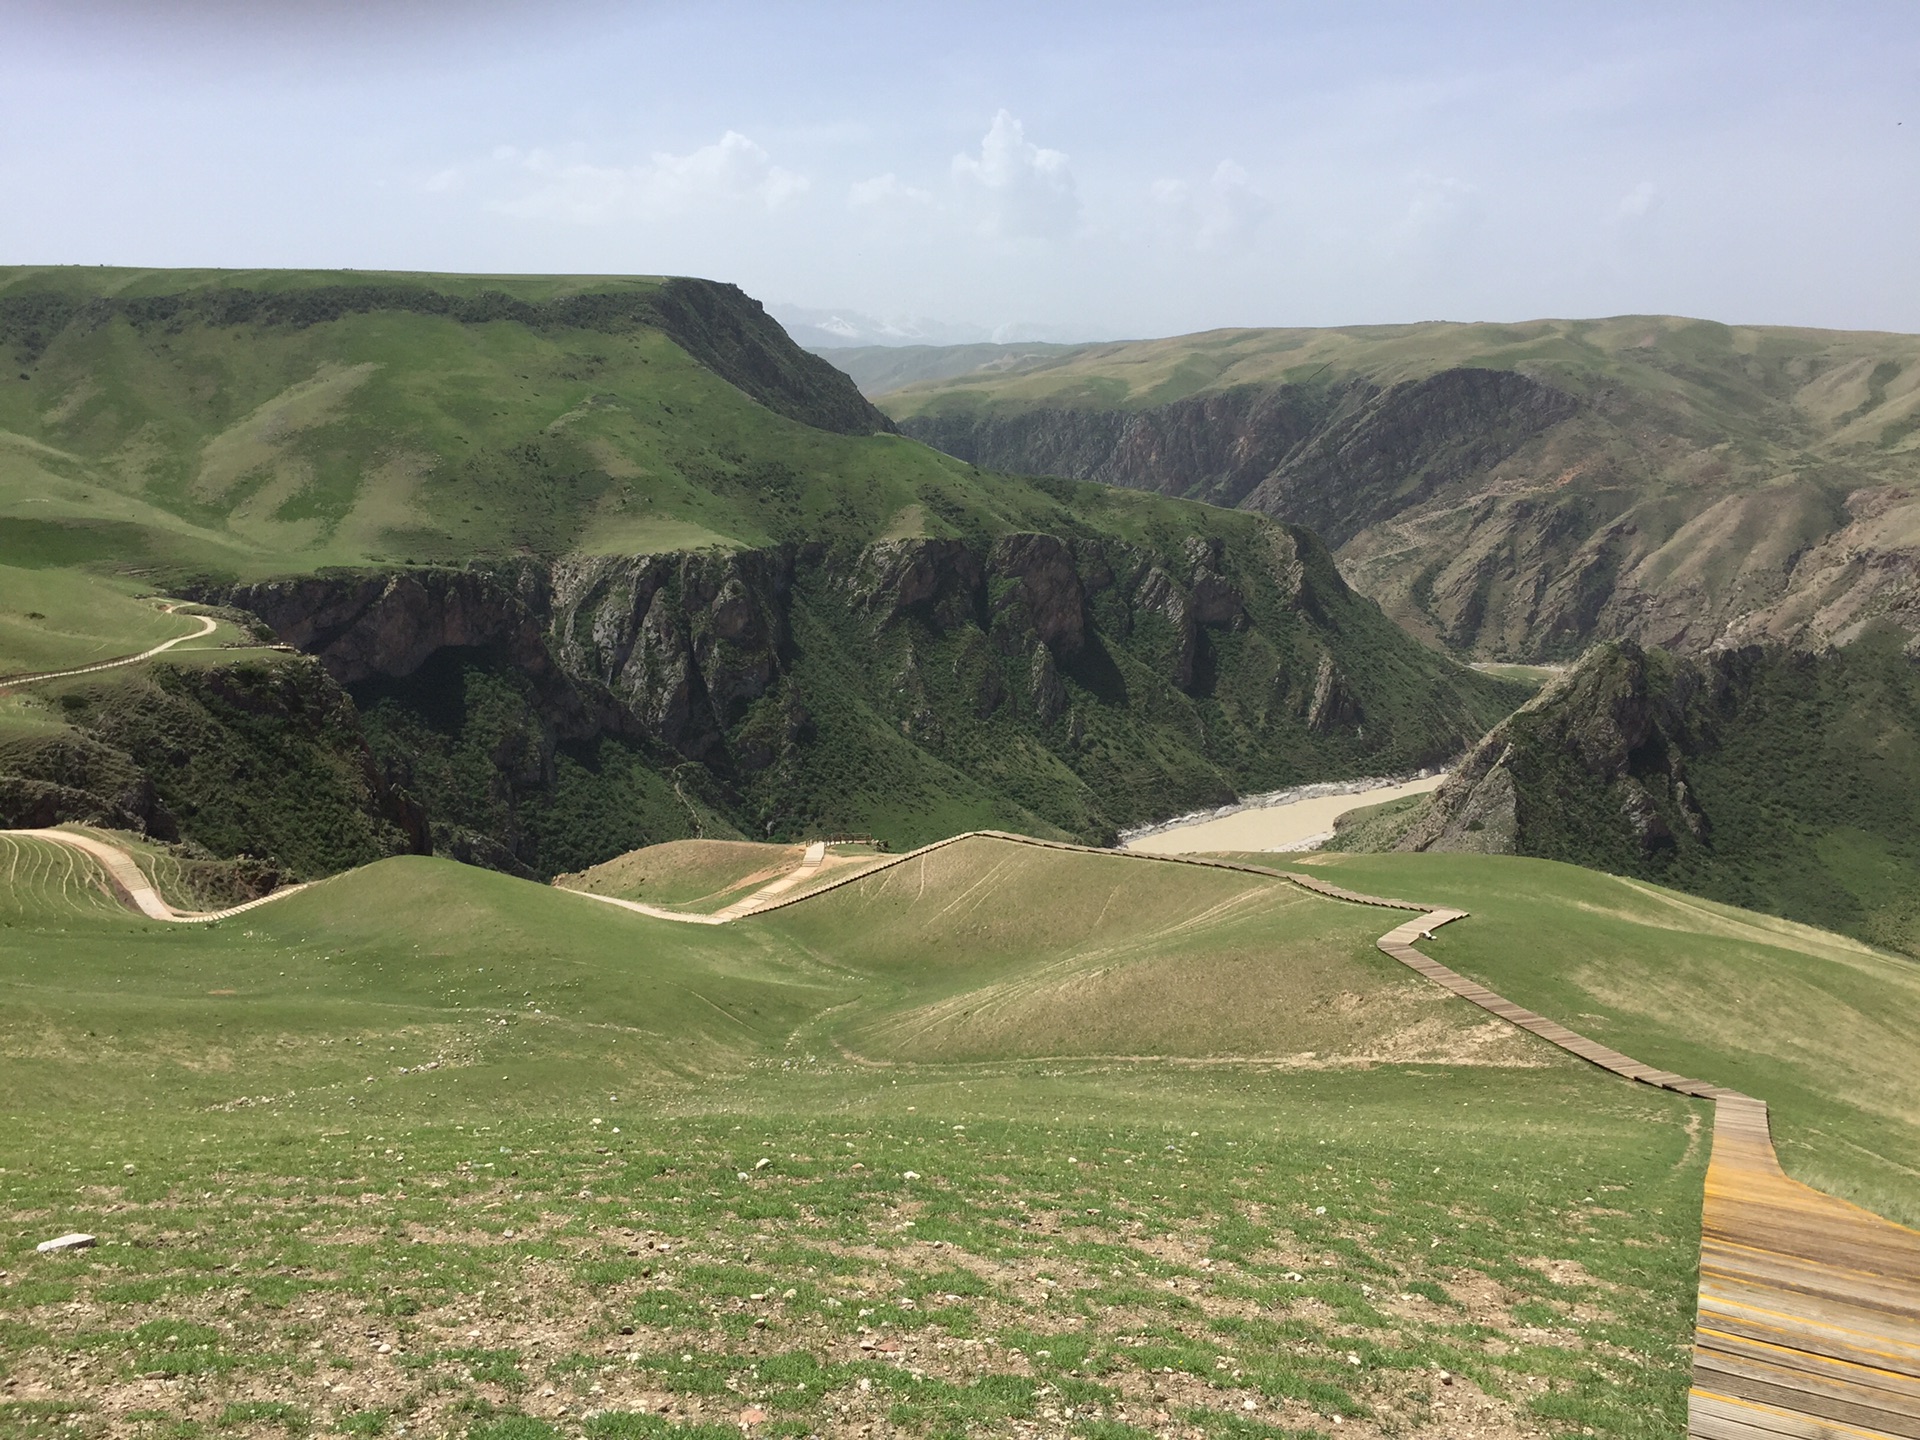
(1808, 1325)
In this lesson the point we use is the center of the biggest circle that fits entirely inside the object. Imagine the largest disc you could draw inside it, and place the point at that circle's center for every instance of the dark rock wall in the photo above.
(1070, 686)
(1333, 458)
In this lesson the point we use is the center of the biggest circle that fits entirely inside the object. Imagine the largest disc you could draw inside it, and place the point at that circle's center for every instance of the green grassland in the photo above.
(1718, 372)
(582, 1173)
(696, 874)
(172, 439)
(63, 619)
(705, 875)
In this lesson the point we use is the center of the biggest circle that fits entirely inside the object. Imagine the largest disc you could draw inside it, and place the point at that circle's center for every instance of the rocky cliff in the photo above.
(1776, 779)
(1070, 685)
(1511, 491)
(1335, 458)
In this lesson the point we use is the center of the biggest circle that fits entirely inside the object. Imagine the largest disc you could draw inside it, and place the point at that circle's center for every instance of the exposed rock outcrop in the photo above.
(1602, 749)
(683, 641)
(1336, 458)
(1782, 780)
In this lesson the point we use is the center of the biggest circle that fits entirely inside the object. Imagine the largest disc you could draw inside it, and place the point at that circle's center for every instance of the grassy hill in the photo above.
(554, 1154)
(1516, 491)
(520, 1137)
(1817, 1024)
(591, 562)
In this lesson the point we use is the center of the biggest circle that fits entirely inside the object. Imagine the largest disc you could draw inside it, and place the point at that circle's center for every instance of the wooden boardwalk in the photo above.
(1808, 1325)
(1809, 1314)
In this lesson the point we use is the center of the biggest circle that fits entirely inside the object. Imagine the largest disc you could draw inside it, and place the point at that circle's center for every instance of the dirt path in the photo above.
(207, 626)
(768, 896)
(130, 882)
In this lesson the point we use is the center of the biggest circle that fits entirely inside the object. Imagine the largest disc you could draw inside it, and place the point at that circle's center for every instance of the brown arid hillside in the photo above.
(1512, 491)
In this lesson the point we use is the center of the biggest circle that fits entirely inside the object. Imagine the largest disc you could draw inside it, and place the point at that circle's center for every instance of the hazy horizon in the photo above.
(1060, 173)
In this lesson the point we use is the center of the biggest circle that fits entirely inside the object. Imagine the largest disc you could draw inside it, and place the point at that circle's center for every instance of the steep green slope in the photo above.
(606, 561)
(1785, 782)
(1516, 491)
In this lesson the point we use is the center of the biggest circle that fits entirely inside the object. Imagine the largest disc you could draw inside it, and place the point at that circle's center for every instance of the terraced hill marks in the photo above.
(117, 873)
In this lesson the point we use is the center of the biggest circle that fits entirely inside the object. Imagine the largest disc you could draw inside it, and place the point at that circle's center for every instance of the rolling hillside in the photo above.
(590, 562)
(1751, 1000)
(1514, 491)
(993, 1135)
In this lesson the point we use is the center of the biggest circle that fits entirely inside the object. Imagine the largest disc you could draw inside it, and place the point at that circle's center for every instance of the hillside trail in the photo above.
(767, 897)
(207, 626)
(1808, 1319)
(130, 883)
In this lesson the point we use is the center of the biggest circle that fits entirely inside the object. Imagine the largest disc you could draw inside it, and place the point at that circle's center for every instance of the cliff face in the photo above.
(1780, 780)
(1334, 458)
(1217, 448)
(1068, 685)
(1513, 492)
(1342, 459)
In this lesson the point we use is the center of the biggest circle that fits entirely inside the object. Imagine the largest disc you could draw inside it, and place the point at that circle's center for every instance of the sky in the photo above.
(1035, 170)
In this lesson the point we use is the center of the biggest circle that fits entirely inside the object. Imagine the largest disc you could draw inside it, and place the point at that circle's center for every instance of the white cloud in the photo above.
(1021, 190)
(1224, 213)
(1642, 200)
(731, 172)
(886, 192)
(1440, 212)
(1233, 210)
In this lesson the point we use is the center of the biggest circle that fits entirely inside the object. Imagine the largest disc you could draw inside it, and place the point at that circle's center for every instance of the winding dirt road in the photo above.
(130, 883)
(207, 626)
